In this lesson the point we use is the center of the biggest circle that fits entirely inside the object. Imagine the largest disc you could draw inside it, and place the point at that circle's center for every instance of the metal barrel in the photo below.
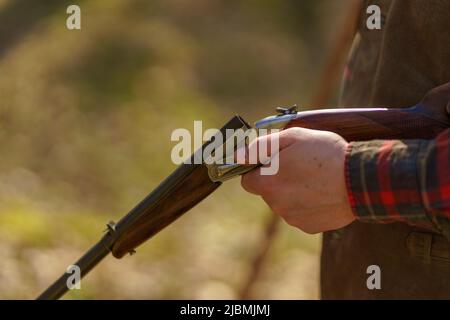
(86, 263)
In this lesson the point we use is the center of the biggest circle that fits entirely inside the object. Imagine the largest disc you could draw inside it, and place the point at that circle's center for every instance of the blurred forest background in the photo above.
(85, 124)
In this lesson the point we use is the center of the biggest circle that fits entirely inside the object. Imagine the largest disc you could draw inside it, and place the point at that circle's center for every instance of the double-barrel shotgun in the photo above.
(192, 182)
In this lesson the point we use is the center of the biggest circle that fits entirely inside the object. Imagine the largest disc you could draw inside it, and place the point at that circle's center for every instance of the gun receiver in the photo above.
(191, 183)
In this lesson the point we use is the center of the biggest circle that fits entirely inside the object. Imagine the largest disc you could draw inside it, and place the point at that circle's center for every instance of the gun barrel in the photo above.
(86, 263)
(179, 192)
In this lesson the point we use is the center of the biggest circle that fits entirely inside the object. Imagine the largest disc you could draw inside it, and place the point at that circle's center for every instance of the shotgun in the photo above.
(190, 182)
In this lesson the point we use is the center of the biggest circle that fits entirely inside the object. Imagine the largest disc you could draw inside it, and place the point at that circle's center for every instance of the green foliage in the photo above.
(85, 124)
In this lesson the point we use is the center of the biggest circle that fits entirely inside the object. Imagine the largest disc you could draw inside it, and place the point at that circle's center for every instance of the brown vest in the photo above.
(392, 67)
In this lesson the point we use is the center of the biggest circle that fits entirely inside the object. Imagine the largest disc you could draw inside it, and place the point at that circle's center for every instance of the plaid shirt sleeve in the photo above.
(401, 181)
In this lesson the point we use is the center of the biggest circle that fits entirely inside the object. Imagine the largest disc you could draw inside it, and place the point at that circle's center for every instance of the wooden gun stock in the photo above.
(423, 121)
(368, 124)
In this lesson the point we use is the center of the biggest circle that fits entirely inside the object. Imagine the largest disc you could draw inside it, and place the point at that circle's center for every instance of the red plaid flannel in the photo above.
(401, 181)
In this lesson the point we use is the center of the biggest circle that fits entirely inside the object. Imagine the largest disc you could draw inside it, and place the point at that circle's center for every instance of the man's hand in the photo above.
(309, 189)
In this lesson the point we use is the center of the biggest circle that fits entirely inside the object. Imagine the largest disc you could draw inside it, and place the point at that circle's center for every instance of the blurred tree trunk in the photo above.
(323, 93)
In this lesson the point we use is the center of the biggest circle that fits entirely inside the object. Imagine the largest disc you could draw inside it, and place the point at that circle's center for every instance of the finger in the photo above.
(259, 150)
(252, 182)
(263, 148)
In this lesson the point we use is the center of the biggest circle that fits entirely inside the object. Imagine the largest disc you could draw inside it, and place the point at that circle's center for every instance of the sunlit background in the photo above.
(85, 124)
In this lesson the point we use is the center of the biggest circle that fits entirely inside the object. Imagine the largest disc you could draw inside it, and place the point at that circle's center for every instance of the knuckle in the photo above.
(247, 183)
(277, 210)
(291, 219)
(309, 230)
(294, 135)
(280, 209)
(296, 220)
(305, 226)
(253, 183)
(292, 131)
